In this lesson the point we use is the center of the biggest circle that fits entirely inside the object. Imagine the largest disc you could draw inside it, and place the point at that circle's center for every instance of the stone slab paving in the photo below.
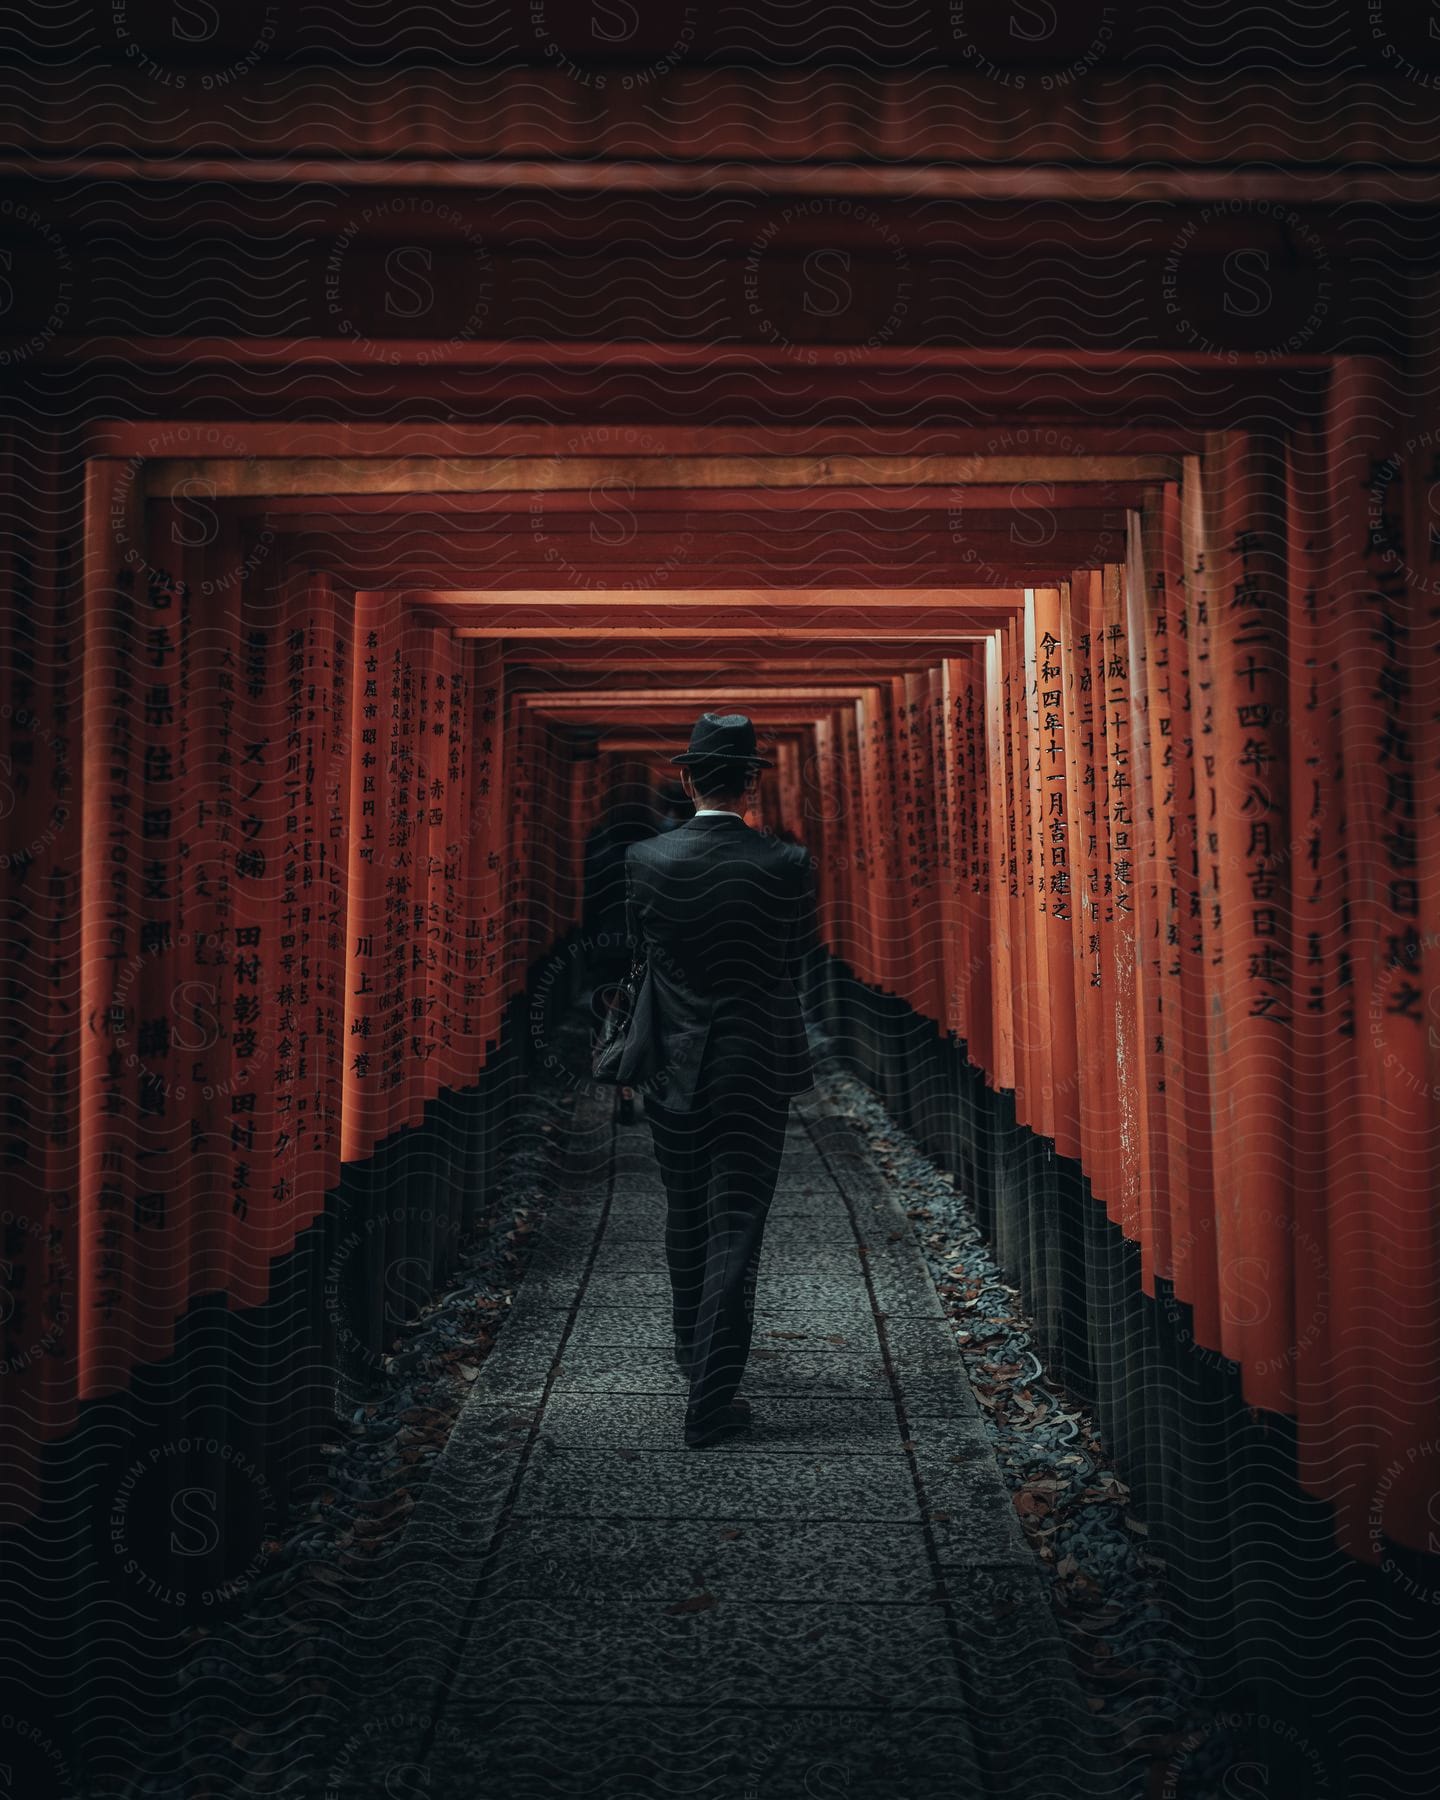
(839, 1601)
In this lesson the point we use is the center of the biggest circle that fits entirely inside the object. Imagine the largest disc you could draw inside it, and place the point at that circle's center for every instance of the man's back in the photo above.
(725, 912)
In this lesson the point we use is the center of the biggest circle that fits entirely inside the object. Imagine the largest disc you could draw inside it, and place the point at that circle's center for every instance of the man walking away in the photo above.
(725, 913)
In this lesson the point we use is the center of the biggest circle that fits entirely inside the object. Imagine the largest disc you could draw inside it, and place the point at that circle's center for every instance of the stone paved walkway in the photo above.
(837, 1603)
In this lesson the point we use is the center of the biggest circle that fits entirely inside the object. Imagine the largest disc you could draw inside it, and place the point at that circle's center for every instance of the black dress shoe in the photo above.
(699, 1435)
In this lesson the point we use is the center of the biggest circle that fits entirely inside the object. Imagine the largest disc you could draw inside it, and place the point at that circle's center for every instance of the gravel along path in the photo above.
(1106, 1586)
(259, 1692)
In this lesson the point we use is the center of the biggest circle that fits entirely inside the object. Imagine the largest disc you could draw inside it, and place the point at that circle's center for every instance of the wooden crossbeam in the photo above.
(614, 522)
(304, 512)
(841, 634)
(642, 697)
(822, 660)
(930, 181)
(886, 575)
(447, 440)
(576, 605)
(765, 714)
(663, 740)
(225, 475)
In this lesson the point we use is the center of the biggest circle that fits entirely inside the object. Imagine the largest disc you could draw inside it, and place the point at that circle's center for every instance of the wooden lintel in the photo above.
(802, 632)
(302, 512)
(550, 700)
(560, 353)
(448, 439)
(528, 536)
(811, 661)
(766, 714)
(580, 602)
(225, 476)
(1125, 183)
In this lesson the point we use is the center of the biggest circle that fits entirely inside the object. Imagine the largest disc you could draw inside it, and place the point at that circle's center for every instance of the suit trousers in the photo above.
(719, 1161)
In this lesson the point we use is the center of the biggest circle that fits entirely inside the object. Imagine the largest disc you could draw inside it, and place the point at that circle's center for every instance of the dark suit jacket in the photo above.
(726, 916)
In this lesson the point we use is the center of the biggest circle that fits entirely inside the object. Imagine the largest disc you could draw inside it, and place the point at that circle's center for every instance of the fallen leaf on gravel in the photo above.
(425, 1416)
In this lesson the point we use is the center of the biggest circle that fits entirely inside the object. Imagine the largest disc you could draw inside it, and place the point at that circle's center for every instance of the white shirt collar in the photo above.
(716, 812)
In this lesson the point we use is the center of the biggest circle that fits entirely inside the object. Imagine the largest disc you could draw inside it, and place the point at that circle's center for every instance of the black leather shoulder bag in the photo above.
(624, 1044)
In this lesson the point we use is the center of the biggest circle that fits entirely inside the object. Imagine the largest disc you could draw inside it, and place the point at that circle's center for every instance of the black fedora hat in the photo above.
(723, 737)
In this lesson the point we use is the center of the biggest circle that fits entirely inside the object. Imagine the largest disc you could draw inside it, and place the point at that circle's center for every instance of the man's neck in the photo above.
(736, 812)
